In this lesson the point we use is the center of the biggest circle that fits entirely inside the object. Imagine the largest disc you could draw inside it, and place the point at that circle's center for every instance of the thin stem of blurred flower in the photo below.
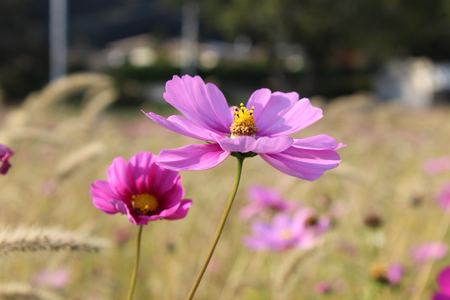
(136, 262)
(441, 232)
(219, 230)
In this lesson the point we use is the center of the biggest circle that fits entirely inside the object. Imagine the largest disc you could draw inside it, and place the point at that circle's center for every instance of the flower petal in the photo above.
(182, 126)
(119, 179)
(245, 144)
(182, 210)
(259, 100)
(220, 105)
(303, 163)
(275, 108)
(102, 194)
(189, 96)
(192, 157)
(299, 116)
(318, 142)
(143, 167)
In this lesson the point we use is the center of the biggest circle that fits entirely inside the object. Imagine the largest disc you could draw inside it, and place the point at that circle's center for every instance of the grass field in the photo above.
(60, 151)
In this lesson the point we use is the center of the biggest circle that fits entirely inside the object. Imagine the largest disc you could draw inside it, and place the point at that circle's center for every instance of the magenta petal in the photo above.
(259, 100)
(182, 210)
(118, 177)
(444, 281)
(318, 142)
(274, 110)
(441, 296)
(245, 144)
(273, 145)
(102, 194)
(300, 115)
(303, 163)
(220, 105)
(192, 157)
(189, 96)
(182, 126)
(241, 144)
(119, 206)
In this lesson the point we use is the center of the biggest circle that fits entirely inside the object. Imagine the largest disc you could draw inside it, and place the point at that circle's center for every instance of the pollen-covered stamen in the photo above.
(144, 203)
(244, 122)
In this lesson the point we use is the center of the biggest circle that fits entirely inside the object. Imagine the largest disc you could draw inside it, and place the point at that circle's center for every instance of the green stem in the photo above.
(219, 230)
(136, 262)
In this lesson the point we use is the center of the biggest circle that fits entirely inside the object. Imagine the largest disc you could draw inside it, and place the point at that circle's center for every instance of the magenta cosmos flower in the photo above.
(142, 190)
(263, 198)
(261, 127)
(302, 231)
(444, 285)
(444, 197)
(429, 251)
(5, 154)
(436, 166)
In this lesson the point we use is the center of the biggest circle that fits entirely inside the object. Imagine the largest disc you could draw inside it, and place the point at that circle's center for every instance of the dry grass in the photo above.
(381, 171)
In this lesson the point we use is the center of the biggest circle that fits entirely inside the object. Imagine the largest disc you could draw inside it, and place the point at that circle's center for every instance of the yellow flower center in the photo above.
(244, 123)
(144, 203)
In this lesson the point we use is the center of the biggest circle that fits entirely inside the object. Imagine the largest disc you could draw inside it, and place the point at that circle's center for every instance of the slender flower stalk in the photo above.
(219, 230)
(136, 263)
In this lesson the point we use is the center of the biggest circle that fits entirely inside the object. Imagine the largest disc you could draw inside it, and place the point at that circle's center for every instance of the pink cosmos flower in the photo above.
(429, 251)
(261, 127)
(395, 273)
(263, 198)
(286, 232)
(53, 279)
(142, 190)
(444, 285)
(5, 154)
(323, 287)
(436, 166)
(444, 197)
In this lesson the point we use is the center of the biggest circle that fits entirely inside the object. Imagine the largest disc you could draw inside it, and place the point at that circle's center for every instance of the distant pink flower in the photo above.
(259, 128)
(444, 285)
(323, 287)
(395, 273)
(285, 232)
(429, 251)
(5, 154)
(142, 190)
(121, 235)
(437, 165)
(444, 197)
(53, 278)
(263, 198)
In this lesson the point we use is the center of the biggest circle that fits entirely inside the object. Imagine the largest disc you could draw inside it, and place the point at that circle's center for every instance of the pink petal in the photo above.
(182, 126)
(259, 100)
(182, 210)
(143, 168)
(318, 142)
(220, 105)
(300, 115)
(303, 163)
(441, 296)
(189, 96)
(119, 179)
(102, 194)
(444, 281)
(262, 145)
(276, 107)
(192, 157)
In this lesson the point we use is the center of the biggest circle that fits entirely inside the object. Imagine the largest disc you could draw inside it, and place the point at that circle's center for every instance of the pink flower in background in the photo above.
(263, 198)
(395, 273)
(323, 287)
(261, 127)
(53, 278)
(142, 190)
(444, 285)
(437, 165)
(429, 251)
(5, 154)
(444, 197)
(285, 232)
(121, 235)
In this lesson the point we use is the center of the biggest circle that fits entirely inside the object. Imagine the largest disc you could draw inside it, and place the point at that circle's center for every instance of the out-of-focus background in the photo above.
(397, 49)
(74, 76)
